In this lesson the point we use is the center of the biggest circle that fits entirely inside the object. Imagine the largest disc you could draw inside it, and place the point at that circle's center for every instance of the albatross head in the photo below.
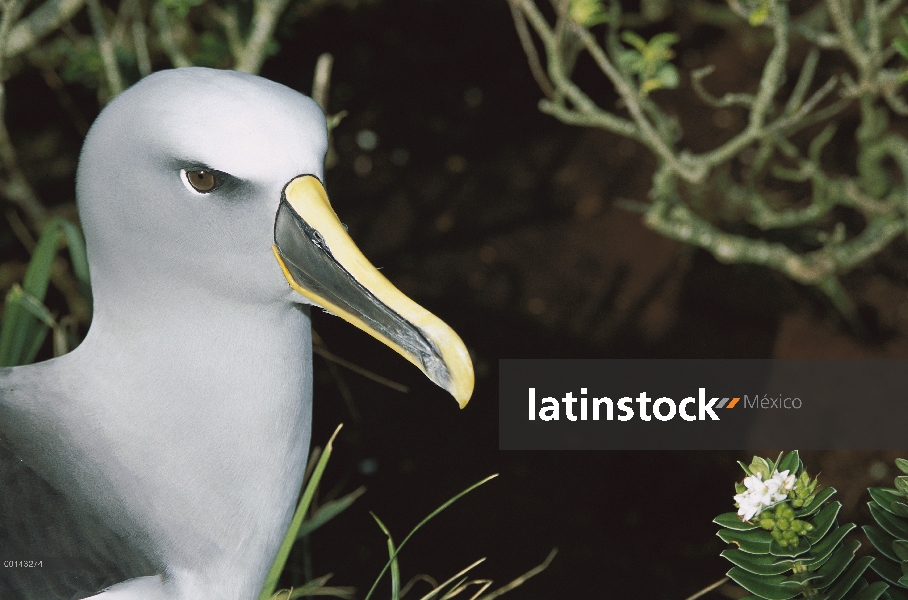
(230, 165)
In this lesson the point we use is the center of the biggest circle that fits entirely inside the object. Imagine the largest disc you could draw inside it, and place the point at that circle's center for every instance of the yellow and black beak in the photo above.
(322, 263)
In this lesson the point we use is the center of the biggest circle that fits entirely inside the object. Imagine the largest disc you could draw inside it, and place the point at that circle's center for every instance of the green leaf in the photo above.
(881, 540)
(632, 61)
(753, 542)
(901, 463)
(802, 578)
(588, 12)
(761, 564)
(884, 497)
(871, 592)
(634, 39)
(75, 243)
(901, 484)
(668, 76)
(181, 7)
(893, 593)
(892, 524)
(899, 509)
(900, 548)
(822, 550)
(901, 46)
(824, 520)
(22, 332)
(846, 581)
(25, 326)
(31, 304)
(765, 586)
(776, 550)
(761, 466)
(817, 503)
(328, 511)
(731, 520)
(283, 552)
(904, 21)
(663, 40)
(837, 563)
(887, 571)
(791, 463)
(759, 16)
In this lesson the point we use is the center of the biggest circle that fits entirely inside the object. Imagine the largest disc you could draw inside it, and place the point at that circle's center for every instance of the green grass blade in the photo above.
(23, 330)
(395, 567)
(290, 537)
(45, 321)
(423, 522)
(328, 511)
(31, 305)
(78, 256)
(20, 329)
(37, 276)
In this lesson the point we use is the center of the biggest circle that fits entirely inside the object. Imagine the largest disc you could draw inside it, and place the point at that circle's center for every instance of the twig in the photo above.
(693, 172)
(585, 108)
(140, 39)
(227, 19)
(850, 42)
(324, 353)
(16, 188)
(707, 589)
(53, 81)
(321, 80)
(40, 22)
(697, 76)
(165, 37)
(529, 48)
(106, 48)
(264, 21)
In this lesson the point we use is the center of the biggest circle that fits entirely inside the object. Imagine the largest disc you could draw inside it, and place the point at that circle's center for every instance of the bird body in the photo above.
(181, 423)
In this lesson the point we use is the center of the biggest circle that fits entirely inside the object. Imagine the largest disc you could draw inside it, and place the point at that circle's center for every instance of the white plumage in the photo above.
(181, 423)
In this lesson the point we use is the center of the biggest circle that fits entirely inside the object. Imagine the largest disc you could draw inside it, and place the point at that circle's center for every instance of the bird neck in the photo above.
(222, 396)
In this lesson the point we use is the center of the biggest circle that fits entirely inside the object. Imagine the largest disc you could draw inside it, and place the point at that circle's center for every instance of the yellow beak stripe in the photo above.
(308, 199)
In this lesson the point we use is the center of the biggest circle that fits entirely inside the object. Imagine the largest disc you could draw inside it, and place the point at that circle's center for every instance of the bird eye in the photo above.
(202, 181)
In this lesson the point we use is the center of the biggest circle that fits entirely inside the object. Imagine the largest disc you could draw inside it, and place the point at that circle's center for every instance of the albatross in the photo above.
(162, 458)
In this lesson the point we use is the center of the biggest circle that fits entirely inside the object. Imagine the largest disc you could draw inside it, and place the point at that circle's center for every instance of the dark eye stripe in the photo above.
(202, 181)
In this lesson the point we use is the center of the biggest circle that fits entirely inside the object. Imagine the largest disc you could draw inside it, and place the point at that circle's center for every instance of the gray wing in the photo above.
(49, 549)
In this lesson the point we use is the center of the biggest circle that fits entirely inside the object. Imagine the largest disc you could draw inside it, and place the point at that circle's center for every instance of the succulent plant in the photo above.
(889, 509)
(788, 542)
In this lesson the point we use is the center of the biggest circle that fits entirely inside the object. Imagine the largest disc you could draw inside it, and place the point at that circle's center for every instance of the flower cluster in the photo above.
(759, 494)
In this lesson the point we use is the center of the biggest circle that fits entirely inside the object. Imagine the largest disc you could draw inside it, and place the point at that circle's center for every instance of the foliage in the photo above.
(588, 12)
(26, 320)
(649, 61)
(769, 194)
(795, 546)
(889, 509)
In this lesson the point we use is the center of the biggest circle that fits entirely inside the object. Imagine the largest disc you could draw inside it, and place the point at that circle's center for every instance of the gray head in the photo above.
(190, 185)
(145, 224)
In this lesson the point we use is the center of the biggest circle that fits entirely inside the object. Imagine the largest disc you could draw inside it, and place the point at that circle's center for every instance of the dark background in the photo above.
(505, 223)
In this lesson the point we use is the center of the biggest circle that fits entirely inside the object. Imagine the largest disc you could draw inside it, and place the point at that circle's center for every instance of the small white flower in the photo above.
(760, 494)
